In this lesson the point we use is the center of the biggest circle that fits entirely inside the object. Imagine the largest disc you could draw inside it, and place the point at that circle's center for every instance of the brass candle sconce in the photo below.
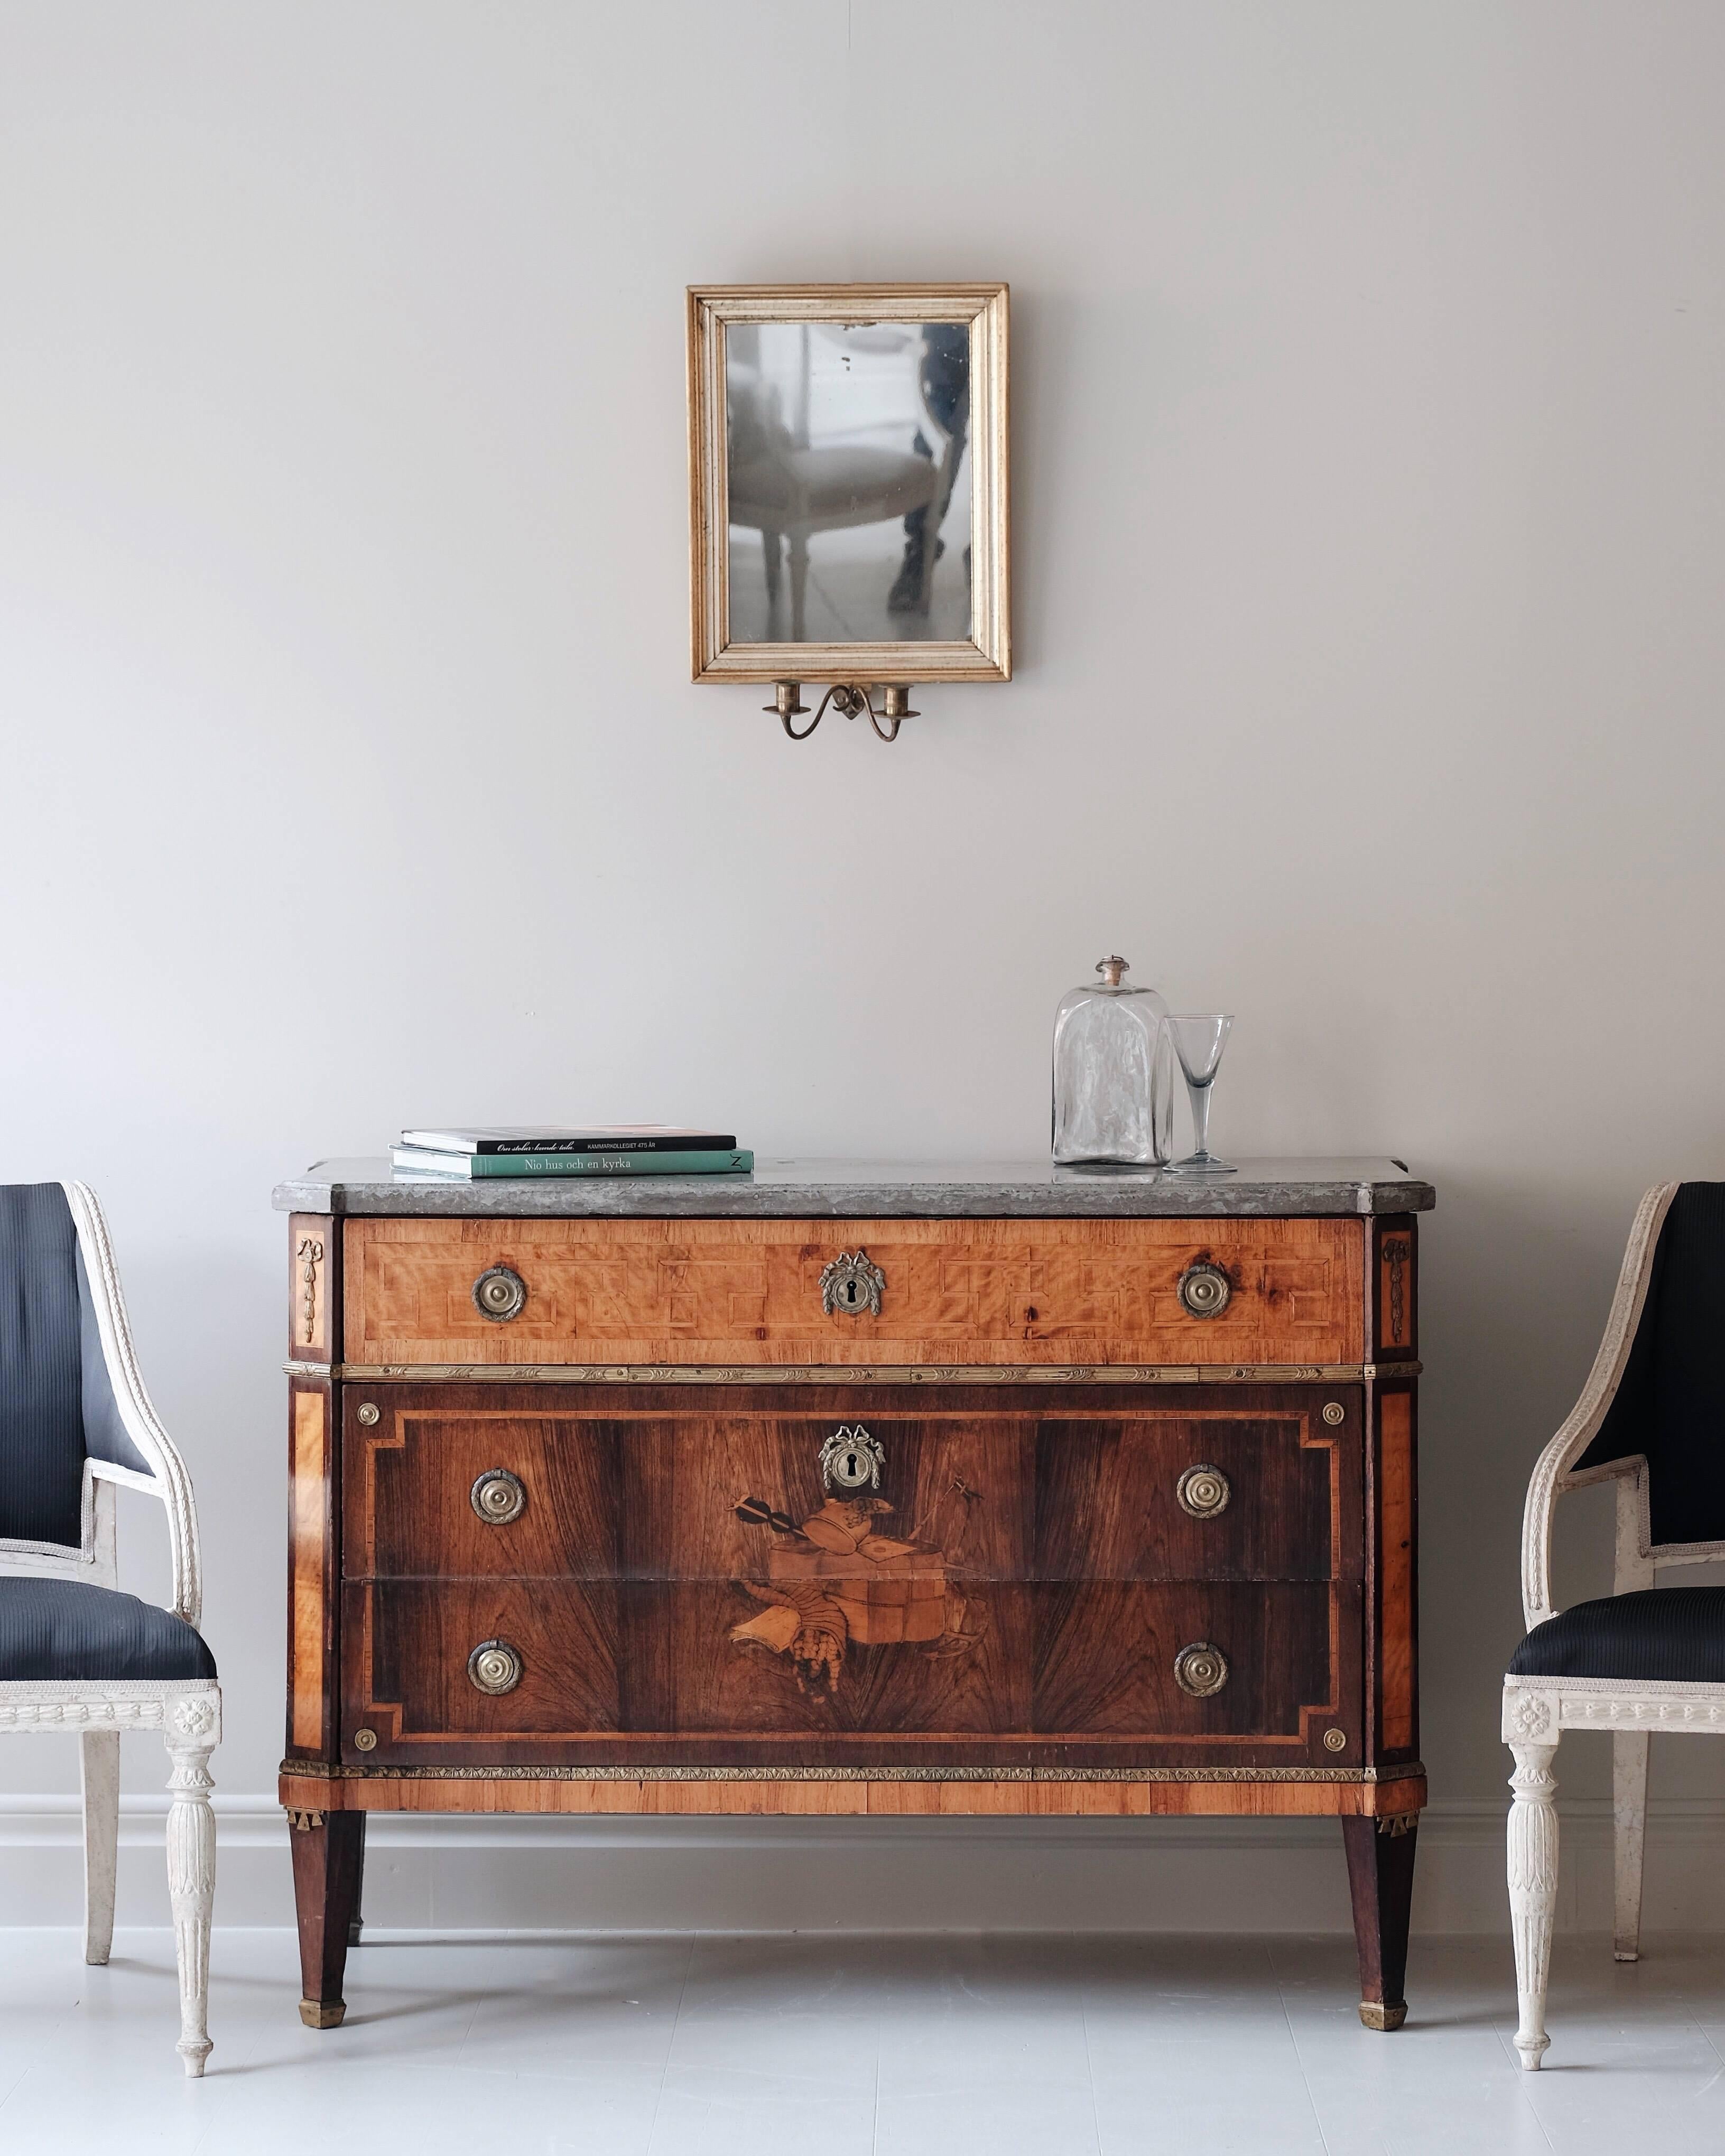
(850, 700)
(848, 492)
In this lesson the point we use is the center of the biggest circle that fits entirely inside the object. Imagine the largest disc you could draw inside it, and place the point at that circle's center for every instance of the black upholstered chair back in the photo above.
(56, 1403)
(1671, 1403)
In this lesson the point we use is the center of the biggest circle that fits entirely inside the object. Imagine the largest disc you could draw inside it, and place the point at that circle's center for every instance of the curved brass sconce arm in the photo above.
(851, 699)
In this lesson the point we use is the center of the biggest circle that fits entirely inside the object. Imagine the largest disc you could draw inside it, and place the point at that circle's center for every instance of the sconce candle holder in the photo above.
(851, 699)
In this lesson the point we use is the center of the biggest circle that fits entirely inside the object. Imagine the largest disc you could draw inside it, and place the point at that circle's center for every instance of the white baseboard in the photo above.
(754, 1874)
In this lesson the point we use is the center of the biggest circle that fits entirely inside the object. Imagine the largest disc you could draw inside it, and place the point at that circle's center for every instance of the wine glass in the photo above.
(1198, 1039)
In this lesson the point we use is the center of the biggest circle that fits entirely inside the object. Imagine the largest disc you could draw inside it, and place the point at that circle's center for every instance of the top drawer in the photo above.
(1081, 1293)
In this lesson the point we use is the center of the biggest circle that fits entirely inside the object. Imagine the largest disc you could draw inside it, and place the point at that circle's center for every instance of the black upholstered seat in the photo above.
(1655, 1636)
(65, 1631)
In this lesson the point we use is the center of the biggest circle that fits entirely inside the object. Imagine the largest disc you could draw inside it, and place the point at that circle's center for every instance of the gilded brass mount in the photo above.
(851, 699)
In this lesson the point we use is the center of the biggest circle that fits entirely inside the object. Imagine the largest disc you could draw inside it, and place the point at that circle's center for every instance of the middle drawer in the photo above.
(734, 1483)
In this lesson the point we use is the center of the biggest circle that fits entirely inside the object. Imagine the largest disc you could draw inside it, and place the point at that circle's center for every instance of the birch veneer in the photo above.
(854, 1489)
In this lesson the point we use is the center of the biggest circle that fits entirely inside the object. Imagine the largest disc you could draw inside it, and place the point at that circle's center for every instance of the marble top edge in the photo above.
(840, 1189)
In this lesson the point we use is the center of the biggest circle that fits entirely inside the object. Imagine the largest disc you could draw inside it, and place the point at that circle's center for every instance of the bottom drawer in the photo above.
(888, 1663)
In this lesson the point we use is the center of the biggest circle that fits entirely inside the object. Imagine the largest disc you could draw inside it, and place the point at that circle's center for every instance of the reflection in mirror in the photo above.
(849, 492)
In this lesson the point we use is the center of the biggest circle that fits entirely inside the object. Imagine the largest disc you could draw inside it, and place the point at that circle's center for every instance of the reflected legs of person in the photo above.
(946, 391)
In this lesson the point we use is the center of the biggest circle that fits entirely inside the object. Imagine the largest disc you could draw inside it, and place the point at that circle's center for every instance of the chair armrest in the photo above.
(167, 1478)
(1551, 1476)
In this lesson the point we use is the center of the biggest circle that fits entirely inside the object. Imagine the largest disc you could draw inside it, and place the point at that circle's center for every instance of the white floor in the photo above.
(806, 2046)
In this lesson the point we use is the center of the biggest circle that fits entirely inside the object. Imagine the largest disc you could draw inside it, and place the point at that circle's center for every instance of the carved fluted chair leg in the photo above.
(192, 1868)
(101, 1764)
(1532, 1890)
(1629, 1815)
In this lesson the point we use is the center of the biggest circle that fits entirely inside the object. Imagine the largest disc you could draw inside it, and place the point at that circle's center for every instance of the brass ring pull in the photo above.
(494, 1666)
(1205, 1290)
(499, 1293)
(1200, 1669)
(1204, 1491)
(499, 1498)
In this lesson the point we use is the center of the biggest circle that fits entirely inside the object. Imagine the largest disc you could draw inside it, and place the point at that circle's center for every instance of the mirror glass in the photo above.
(849, 513)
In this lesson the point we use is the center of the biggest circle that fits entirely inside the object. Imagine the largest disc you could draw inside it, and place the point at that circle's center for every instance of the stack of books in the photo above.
(605, 1149)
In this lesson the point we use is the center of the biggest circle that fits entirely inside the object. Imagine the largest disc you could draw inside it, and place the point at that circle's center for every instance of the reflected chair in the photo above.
(1651, 1417)
(77, 1657)
(788, 491)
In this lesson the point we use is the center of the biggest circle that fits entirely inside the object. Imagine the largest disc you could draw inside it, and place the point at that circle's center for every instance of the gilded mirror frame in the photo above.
(986, 655)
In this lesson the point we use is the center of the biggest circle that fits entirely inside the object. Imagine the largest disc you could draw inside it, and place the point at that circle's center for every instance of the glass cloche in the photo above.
(1113, 1074)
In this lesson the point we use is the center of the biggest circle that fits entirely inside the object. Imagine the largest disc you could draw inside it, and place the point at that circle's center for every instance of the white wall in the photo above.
(1369, 460)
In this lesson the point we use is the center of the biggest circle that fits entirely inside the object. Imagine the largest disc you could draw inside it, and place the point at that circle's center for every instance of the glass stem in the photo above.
(1200, 1099)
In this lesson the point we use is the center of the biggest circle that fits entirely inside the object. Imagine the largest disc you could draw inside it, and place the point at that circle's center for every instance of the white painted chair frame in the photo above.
(1537, 1709)
(188, 1712)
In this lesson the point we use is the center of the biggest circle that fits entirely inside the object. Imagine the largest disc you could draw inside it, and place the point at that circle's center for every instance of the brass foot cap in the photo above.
(1375, 2016)
(317, 2015)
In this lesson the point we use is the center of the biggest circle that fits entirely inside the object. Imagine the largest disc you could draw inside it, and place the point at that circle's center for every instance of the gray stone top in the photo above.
(853, 1188)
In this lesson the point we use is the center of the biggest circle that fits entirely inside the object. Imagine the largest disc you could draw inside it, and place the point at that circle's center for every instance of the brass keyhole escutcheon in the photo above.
(852, 1459)
(499, 1497)
(852, 1285)
(499, 1293)
(1205, 1290)
(1204, 1491)
(494, 1666)
(1200, 1669)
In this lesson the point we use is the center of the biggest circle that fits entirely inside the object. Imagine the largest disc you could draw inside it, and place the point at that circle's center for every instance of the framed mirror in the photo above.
(848, 482)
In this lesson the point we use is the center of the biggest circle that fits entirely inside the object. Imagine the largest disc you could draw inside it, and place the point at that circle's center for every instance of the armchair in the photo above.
(76, 1656)
(1652, 1417)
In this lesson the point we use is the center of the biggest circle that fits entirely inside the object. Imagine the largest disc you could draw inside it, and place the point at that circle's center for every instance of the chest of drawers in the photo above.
(854, 1489)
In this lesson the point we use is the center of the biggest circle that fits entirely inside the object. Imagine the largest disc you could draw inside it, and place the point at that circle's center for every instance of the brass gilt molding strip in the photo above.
(880, 1373)
(324, 1771)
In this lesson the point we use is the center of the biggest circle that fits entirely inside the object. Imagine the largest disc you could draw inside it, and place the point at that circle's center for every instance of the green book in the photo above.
(420, 1160)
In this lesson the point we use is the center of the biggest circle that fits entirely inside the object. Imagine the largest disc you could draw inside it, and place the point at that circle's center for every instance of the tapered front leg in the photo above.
(356, 1922)
(1532, 1889)
(192, 1726)
(327, 1849)
(1380, 1876)
(100, 1761)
